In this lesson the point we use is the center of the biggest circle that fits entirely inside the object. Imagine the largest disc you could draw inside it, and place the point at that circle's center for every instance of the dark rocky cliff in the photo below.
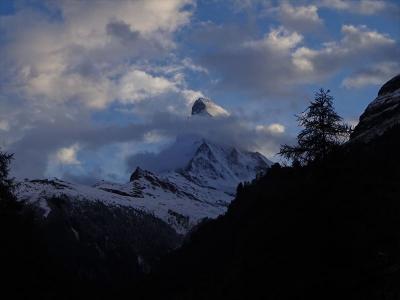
(382, 113)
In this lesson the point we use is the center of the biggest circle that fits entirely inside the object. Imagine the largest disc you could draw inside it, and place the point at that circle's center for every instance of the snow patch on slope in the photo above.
(179, 203)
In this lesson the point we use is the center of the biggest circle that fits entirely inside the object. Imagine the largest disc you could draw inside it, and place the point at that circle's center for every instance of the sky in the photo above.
(88, 88)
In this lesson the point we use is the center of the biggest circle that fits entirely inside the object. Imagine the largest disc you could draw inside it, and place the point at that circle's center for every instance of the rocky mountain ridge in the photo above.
(381, 114)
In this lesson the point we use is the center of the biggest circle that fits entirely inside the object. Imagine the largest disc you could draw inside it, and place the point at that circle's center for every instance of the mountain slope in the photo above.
(223, 167)
(180, 198)
(330, 230)
(382, 113)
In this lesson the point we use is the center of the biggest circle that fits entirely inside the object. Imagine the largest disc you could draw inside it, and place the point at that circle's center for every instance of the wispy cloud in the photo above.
(375, 75)
(365, 7)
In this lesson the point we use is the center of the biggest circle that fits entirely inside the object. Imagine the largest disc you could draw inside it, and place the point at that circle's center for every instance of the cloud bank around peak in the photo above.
(87, 84)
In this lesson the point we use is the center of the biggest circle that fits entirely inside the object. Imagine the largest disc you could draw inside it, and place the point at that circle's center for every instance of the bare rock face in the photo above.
(381, 114)
(391, 86)
(206, 107)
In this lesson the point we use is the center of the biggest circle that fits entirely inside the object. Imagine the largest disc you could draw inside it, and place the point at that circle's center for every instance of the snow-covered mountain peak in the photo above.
(206, 107)
(222, 167)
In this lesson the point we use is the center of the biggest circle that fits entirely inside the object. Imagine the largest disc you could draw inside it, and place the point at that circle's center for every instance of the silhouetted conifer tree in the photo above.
(8, 205)
(19, 257)
(323, 131)
(239, 188)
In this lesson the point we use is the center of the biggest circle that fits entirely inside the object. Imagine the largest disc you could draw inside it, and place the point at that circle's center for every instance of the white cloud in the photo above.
(191, 96)
(80, 56)
(87, 22)
(357, 43)
(280, 61)
(369, 7)
(137, 85)
(58, 87)
(275, 128)
(152, 137)
(300, 18)
(190, 65)
(277, 39)
(4, 125)
(337, 4)
(68, 155)
(376, 75)
(302, 59)
(362, 36)
(352, 122)
(365, 7)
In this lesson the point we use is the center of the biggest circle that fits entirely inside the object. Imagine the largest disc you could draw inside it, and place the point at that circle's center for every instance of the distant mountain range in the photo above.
(181, 197)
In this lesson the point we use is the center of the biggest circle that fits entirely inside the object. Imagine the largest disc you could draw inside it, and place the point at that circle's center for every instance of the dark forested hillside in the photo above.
(330, 230)
(80, 251)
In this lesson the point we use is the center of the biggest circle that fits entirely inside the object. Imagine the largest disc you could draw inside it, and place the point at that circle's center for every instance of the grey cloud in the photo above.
(133, 41)
(364, 7)
(262, 72)
(33, 150)
(123, 31)
(303, 18)
(170, 158)
(360, 46)
(226, 131)
(210, 36)
(92, 177)
(78, 57)
(276, 64)
(374, 75)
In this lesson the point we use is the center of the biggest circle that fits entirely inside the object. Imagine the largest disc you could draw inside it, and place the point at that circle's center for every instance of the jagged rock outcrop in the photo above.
(206, 107)
(381, 114)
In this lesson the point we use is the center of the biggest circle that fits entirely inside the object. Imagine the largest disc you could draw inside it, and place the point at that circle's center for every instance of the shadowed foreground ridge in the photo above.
(382, 113)
(330, 230)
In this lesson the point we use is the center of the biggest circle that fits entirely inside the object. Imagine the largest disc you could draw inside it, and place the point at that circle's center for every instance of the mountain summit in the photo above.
(206, 107)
